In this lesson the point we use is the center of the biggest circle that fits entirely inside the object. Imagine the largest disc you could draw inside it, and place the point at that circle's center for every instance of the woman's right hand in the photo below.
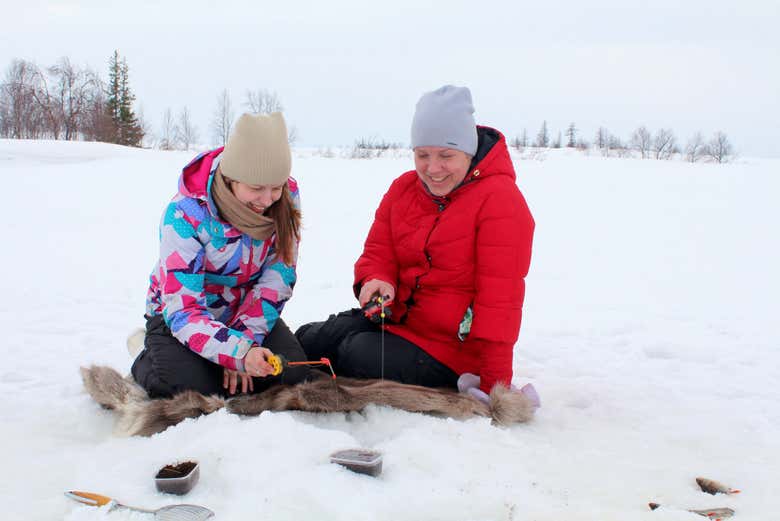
(230, 381)
(373, 287)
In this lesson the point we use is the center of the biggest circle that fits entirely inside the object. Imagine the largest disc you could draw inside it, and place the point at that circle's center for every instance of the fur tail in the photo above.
(508, 407)
(153, 416)
(109, 389)
(139, 415)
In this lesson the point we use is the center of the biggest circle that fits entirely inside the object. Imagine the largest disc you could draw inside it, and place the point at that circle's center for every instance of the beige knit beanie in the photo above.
(257, 152)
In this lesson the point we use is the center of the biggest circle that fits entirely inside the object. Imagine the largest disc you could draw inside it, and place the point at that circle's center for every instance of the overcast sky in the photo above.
(347, 69)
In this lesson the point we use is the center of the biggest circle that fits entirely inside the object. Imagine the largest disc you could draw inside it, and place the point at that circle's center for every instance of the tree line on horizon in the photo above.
(68, 102)
(641, 143)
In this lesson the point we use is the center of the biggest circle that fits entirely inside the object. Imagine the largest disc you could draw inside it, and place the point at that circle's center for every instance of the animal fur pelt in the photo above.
(140, 415)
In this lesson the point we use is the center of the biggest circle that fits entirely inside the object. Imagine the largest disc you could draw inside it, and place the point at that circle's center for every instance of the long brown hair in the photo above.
(287, 220)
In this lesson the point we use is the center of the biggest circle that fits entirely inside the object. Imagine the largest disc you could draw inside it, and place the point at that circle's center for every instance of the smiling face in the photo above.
(256, 198)
(441, 169)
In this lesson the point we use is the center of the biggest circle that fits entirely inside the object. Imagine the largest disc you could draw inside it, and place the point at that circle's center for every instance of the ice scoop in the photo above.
(181, 512)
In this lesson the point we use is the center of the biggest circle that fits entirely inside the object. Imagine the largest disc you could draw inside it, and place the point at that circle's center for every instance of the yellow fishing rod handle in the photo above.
(88, 498)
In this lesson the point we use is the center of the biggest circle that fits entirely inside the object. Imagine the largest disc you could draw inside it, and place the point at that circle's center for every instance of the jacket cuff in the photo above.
(242, 348)
(487, 382)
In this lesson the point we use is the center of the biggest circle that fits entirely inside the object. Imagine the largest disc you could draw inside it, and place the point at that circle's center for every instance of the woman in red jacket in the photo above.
(448, 253)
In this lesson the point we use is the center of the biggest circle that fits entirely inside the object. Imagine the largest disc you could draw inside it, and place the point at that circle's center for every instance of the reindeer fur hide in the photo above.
(140, 415)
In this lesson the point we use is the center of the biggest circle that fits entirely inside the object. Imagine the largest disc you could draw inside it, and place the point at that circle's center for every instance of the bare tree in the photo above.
(543, 137)
(719, 148)
(75, 89)
(371, 147)
(95, 122)
(602, 138)
(558, 141)
(222, 122)
(582, 144)
(520, 142)
(292, 134)
(616, 147)
(68, 103)
(18, 107)
(664, 144)
(262, 101)
(187, 134)
(168, 132)
(695, 149)
(5, 114)
(46, 105)
(142, 130)
(641, 141)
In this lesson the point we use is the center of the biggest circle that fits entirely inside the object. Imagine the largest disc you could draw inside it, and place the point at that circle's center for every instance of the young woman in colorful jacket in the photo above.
(228, 251)
(448, 251)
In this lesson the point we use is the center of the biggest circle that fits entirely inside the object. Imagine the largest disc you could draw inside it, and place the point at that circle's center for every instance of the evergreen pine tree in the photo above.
(114, 98)
(571, 132)
(543, 137)
(130, 130)
(125, 128)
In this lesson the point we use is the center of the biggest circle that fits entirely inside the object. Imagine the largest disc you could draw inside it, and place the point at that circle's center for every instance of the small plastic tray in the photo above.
(178, 478)
(362, 461)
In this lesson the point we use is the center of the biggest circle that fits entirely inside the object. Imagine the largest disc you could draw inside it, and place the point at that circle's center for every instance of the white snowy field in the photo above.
(650, 331)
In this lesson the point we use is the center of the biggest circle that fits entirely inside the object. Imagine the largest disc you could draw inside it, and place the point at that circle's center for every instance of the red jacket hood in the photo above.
(492, 156)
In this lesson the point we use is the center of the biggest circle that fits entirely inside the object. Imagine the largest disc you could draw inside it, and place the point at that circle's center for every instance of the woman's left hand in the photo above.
(230, 381)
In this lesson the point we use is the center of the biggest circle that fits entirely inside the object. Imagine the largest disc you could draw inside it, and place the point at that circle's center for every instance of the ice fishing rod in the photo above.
(376, 310)
(279, 362)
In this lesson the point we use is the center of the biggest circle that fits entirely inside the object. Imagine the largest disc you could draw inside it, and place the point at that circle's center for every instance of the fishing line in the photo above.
(382, 316)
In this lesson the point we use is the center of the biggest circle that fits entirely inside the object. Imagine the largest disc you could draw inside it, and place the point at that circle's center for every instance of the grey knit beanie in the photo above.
(445, 118)
(257, 152)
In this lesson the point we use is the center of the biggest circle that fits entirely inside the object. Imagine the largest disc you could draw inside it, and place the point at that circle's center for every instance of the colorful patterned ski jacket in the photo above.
(456, 258)
(219, 291)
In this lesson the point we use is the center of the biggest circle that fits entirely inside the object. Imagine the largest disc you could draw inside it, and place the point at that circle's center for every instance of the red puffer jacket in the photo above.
(471, 248)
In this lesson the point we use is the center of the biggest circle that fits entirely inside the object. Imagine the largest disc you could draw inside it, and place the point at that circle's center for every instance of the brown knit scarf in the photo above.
(237, 213)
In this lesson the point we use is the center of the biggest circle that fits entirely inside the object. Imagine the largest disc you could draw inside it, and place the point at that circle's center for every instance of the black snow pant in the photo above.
(354, 346)
(166, 367)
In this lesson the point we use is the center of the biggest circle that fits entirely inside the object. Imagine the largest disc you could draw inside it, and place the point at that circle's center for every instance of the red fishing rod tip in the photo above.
(326, 361)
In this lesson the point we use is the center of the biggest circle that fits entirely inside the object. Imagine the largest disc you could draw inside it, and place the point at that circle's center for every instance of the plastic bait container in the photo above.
(362, 461)
(178, 478)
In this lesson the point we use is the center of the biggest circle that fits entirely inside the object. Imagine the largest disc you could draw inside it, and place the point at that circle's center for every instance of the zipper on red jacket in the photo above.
(425, 249)
(440, 202)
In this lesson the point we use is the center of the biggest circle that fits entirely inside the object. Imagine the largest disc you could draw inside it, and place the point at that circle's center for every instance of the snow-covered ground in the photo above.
(650, 331)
